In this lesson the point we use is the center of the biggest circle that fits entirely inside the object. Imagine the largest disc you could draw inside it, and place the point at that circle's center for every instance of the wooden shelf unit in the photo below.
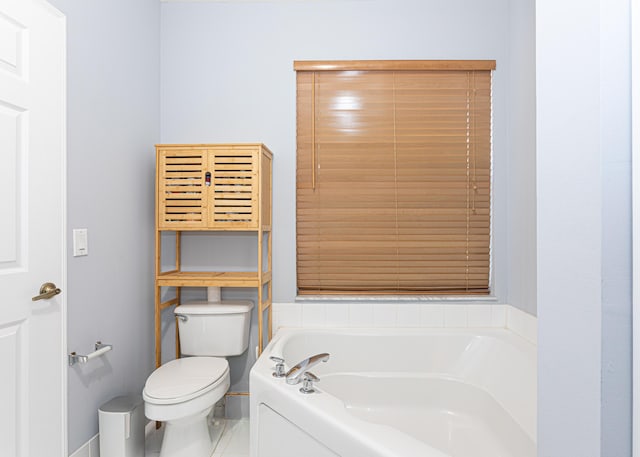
(213, 188)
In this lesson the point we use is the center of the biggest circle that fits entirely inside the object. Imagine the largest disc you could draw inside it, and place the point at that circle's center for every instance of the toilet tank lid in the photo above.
(223, 307)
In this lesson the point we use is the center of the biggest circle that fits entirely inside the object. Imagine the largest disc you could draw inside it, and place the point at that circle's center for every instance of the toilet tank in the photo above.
(214, 329)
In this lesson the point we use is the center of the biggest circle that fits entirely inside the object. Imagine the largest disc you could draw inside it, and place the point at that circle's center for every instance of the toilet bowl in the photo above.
(181, 393)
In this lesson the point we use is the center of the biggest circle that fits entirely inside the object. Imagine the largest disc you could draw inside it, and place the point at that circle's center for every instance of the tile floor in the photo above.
(234, 441)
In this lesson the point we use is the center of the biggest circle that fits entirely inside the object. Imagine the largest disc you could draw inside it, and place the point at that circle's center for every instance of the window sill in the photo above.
(463, 299)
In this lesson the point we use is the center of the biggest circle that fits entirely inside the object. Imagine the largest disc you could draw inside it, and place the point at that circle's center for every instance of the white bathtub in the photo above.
(400, 393)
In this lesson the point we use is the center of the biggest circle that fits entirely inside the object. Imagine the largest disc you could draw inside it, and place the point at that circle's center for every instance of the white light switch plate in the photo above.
(80, 242)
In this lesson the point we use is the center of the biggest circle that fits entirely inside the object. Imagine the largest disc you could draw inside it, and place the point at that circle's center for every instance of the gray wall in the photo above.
(240, 87)
(521, 157)
(584, 229)
(569, 228)
(113, 122)
(227, 76)
(615, 137)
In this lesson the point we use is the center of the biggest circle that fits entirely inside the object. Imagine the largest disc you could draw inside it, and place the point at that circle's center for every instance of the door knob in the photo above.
(47, 290)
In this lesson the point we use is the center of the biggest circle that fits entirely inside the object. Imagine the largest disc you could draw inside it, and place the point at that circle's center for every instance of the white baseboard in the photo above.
(89, 449)
(92, 447)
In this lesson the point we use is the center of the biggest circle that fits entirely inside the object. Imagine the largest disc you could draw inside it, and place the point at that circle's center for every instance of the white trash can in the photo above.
(121, 425)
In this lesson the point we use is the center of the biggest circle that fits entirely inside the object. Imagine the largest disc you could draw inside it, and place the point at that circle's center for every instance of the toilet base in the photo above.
(188, 437)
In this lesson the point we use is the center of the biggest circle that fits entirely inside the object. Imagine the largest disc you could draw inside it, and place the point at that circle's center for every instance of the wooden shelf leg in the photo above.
(178, 293)
(157, 322)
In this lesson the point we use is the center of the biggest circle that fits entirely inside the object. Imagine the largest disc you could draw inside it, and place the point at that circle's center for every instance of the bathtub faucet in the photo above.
(294, 375)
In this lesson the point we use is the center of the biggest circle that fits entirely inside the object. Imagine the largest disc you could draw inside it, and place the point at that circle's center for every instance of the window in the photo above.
(393, 177)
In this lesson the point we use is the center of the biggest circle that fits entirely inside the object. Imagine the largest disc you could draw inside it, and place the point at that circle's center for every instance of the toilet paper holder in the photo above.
(100, 349)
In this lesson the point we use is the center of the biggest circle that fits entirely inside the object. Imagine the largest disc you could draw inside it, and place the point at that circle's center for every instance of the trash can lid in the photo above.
(122, 404)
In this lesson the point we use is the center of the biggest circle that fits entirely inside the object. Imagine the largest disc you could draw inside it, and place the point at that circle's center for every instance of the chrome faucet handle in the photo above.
(279, 368)
(307, 382)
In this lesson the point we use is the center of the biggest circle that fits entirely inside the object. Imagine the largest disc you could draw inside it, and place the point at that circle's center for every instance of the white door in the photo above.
(32, 222)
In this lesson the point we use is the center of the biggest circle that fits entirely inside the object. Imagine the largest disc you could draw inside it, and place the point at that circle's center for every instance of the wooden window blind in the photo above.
(393, 177)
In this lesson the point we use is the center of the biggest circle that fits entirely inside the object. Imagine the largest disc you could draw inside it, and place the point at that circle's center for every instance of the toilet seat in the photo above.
(183, 379)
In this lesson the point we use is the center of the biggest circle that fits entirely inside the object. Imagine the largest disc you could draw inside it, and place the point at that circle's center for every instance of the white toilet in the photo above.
(182, 393)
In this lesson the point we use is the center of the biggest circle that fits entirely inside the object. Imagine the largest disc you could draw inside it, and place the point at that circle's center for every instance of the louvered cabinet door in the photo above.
(233, 195)
(182, 199)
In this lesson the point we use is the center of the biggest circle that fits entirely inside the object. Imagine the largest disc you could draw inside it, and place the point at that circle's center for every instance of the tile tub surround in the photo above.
(370, 314)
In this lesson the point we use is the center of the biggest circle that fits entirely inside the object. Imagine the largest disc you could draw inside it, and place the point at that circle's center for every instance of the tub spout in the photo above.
(294, 375)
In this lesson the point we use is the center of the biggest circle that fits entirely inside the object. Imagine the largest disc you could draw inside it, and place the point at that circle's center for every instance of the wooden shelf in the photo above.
(214, 188)
(211, 279)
